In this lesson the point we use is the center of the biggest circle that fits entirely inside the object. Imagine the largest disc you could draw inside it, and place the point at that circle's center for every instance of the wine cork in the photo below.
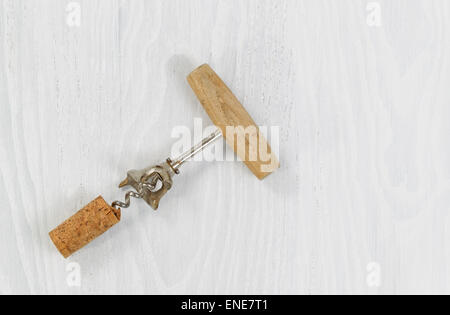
(84, 226)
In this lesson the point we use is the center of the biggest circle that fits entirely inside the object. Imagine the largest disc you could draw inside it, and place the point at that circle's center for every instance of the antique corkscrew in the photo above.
(152, 184)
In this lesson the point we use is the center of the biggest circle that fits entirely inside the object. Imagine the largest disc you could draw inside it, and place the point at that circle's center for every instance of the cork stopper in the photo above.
(84, 226)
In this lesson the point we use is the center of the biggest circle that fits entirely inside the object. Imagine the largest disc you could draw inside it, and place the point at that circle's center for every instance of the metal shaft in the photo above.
(177, 163)
(145, 181)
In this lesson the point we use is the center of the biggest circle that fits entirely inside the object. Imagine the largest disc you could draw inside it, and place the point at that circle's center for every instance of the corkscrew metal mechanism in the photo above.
(152, 183)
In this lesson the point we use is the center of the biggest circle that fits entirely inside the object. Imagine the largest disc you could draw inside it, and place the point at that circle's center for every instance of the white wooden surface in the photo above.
(360, 205)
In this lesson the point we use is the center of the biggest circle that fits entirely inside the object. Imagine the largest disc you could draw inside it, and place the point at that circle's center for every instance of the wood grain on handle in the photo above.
(225, 111)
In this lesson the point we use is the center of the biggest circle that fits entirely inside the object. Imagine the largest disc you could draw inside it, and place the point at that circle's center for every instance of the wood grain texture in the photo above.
(364, 122)
(238, 128)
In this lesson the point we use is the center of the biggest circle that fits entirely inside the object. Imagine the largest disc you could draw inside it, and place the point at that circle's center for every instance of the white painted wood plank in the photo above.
(363, 114)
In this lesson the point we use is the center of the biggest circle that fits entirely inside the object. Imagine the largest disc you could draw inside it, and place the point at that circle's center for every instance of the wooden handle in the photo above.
(238, 128)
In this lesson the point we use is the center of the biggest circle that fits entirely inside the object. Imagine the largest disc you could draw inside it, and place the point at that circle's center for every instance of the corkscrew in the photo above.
(152, 184)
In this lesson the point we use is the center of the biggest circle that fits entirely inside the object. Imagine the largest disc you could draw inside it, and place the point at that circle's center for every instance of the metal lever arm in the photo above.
(154, 182)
